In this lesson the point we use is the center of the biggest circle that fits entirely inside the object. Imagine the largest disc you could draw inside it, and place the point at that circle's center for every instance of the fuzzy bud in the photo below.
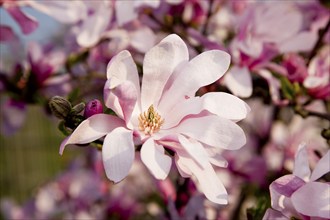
(60, 107)
(93, 107)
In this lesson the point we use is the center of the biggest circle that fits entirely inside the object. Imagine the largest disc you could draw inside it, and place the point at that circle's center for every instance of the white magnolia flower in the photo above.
(164, 114)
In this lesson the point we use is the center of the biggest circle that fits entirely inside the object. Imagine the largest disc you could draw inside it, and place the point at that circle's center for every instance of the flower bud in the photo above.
(79, 108)
(93, 107)
(60, 107)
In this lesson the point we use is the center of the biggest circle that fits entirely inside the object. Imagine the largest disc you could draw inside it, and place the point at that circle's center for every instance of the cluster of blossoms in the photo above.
(204, 107)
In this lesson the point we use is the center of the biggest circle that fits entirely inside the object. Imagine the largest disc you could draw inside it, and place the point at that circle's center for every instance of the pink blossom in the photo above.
(300, 195)
(165, 115)
(256, 43)
(318, 80)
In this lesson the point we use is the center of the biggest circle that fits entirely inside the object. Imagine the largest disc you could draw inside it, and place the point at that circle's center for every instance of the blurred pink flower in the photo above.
(26, 22)
(256, 43)
(318, 80)
(299, 194)
(166, 113)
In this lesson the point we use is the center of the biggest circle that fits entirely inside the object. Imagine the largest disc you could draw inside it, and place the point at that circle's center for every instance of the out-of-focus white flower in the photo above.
(165, 114)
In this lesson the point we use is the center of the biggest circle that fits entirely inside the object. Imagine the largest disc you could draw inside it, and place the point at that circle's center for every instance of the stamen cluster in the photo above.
(150, 121)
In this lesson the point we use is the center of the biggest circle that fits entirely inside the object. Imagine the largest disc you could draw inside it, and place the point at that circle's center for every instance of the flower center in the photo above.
(150, 121)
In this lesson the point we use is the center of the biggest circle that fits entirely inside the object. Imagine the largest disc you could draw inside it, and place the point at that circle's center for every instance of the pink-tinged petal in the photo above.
(215, 157)
(27, 23)
(122, 68)
(303, 41)
(184, 171)
(154, 157)
(158, 65)
(94, 26)
(7, 34)
(208, 180)
(301, 164)
(111, 100)
(286, 185)
(214, 131)
(195, 150)
(63, 144)
(239, 81)
(127, 97)
(322, 167)
(203, 70)
(118, 153)
(64, 11)
(219, 103)
(272, 214)
(93, 128)
(125, 12)
(312, 199)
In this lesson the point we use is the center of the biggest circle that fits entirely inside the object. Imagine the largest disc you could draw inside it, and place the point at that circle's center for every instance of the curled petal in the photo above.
(122, 68)
(154, 157)
(118, 153)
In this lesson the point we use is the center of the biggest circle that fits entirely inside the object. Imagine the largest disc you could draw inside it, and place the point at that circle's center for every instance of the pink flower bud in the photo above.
(93, 107)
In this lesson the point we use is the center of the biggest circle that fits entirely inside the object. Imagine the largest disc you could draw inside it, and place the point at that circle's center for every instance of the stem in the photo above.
(318, 44)
(305, 113)
(209, 13)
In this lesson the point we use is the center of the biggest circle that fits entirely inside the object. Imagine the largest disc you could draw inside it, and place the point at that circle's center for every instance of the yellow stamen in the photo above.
(150, 121)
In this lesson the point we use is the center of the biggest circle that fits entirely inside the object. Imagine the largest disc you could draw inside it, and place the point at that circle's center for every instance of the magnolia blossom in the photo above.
(165, 114)
(256, 43)
(318, 80)
(301, 195)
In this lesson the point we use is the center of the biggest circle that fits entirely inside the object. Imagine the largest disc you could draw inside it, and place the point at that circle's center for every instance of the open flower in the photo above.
(300, 194)
(165, 114)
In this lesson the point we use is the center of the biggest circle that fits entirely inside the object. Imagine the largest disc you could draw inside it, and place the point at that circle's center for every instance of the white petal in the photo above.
(118, 153)
(195, 150)
(203, 70)
(322, 167)
(127, 96)
(301, 164)
(312, 199)
(125, 12)
(94, 26)
(208, 180)
(219, 103)
(214, 131)
(122, 68)
(239, 81)
(93, 128)
(158, 65)
(143, 39)
(154, 157)
(64, 11)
